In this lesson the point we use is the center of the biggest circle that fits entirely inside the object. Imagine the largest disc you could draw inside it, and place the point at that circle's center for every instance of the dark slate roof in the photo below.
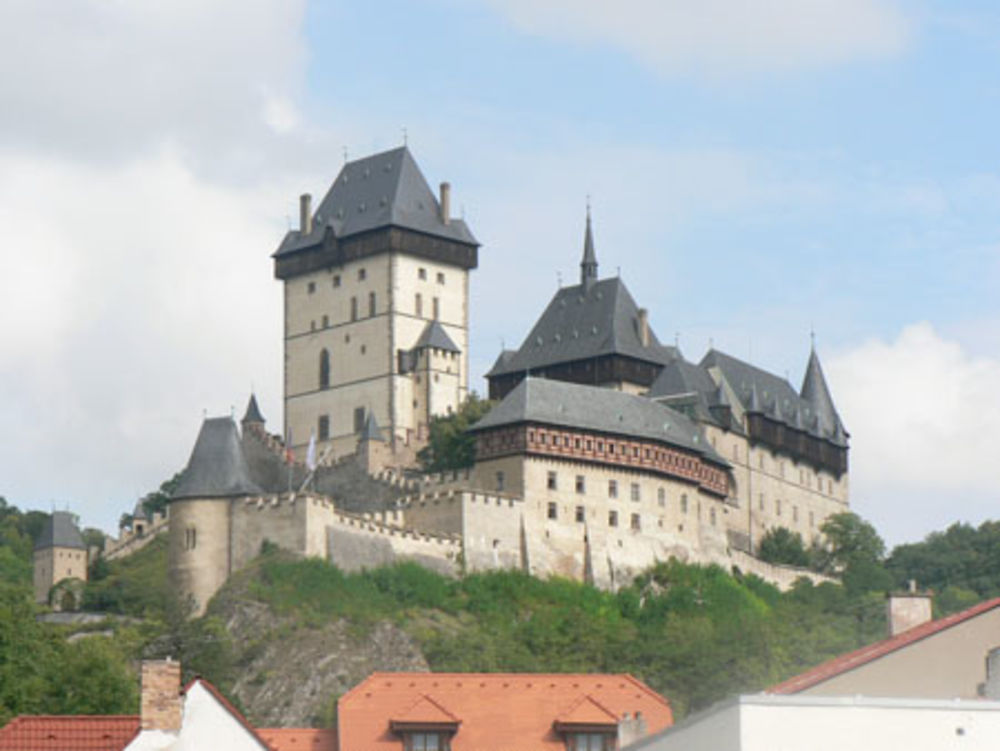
(435, 337)
(774, 396)
(139, 512)
(217, 467)
(253, 411)
(60, 531)
(381, 190)
(500, 364)
(689, 387)
(371, 431)
(583, 322)
(550, 402)
(816, 393)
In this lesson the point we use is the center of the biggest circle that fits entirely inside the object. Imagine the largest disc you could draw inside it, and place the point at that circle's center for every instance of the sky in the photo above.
(757, 172)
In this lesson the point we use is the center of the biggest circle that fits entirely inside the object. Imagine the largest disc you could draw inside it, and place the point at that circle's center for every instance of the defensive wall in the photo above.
(130, 541)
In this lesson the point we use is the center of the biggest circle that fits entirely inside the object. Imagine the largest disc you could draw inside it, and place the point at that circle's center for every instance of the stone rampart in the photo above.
(356, 542)
(130, 542)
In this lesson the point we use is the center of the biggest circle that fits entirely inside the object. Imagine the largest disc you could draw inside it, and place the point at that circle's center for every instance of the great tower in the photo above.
(376, 308)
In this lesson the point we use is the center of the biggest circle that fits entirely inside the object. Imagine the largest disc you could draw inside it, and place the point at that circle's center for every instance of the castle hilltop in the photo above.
(606, 451)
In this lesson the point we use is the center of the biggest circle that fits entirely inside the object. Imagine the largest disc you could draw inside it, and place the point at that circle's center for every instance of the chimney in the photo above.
(305, 214)
(991, 689)
(445, 202)
(909, 609)
(161, 696)
(644, 327)
(631, 729)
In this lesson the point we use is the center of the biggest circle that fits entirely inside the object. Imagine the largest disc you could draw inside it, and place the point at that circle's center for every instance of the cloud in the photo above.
(125, 316)
(722, 36)
(100, 79)
(923, 414)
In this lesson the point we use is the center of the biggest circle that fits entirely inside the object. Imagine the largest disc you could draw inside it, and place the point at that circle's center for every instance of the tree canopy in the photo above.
(449, 445)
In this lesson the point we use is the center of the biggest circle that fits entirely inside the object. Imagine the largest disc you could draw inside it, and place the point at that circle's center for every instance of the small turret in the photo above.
(252, 416)
(817, 394)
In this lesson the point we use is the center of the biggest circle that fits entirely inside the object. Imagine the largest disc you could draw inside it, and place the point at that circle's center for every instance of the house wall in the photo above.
(945, 665)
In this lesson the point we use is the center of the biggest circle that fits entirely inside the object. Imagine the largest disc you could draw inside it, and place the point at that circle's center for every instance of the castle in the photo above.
(606, 451)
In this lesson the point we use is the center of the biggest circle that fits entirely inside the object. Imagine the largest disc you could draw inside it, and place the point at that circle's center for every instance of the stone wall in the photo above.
(130, 542)
(356, 543)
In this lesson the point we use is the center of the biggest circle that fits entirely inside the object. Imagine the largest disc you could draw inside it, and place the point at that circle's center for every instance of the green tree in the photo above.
(857, 551)
(781, 545)
(450, 446)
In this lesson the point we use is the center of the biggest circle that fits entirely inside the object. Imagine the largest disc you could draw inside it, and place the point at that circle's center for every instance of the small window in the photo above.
(711, 516)
(437, 308)
(359, 419)
(636, 523)
(312, 325)
(190, 538)
(612, 488)
(421, 273)
(580, 514)
(440, 278)
(324, 369)
(581, 484)
(500, 480)
(371, 304)
(354, 308)
(364, 349)
(661, 496)
(612, 518)
(418, 305)
(589, 742)
(684, 504)
(326, 322)
(362, 274)
(336, 280)
(426, 742)
(311, 287)
(323, 428)
(777, 507)
(553, 483)
(553, 511)
(634, 492)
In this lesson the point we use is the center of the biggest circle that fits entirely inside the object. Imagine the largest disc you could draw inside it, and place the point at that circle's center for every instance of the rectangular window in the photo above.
(553, 481)
(684, 504)
(426, 742)
(777, 507)
(580, 514)
(589, 742)
(361, 275)
(437, 308)
(612, 488)
(359, 419)
(354, 308)
(581, 484)
(336, 280)
(634, 491)
(553, 511)
(323, 429)
(418, 305)
(421, 273)
(371, 304)
(440, 277)
(500, 480)
(311, 287)
(661, 496)
(636, 522)
(612, 518)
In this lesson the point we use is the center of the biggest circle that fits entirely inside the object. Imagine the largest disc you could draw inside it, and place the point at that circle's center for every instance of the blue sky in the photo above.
(755, 173)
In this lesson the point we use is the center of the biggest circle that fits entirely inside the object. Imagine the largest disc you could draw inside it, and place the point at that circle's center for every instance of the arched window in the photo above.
(324, 369)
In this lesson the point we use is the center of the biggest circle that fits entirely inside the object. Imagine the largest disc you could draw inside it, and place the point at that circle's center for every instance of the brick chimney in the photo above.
(908, 609)
(161, 695)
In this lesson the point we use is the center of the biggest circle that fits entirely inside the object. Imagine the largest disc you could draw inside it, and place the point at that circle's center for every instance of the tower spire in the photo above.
(588, 266)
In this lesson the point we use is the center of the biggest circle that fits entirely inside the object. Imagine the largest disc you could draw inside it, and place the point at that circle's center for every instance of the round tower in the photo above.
(200, 534)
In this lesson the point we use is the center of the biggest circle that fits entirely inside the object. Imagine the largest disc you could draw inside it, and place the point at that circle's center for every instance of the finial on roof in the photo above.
(588, 266)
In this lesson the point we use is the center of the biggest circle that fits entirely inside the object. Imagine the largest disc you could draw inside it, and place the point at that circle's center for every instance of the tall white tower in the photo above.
(376, 308)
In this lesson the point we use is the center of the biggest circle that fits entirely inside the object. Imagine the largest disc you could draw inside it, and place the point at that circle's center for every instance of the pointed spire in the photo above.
(754, 402)
(371, 430)
(817, 394)
(217, 467)
(588, 266)
(252, 414)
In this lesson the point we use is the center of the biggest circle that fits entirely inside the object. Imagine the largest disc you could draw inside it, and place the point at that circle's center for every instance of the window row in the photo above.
(323, 424)
(580, 514)
(580, 484)
(422, 275)
(762, 505)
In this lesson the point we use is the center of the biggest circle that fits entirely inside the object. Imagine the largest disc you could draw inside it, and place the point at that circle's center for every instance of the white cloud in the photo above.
(722, 36)
(923, 415)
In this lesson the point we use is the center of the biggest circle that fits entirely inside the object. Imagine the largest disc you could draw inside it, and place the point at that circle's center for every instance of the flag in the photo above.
(289, 456)
(311, 453)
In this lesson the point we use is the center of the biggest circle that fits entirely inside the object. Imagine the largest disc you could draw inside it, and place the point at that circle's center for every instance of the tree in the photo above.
(854, 549)
(781, 545)
(451, 446)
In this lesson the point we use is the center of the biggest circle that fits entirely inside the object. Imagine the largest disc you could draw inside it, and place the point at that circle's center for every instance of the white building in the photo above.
(763, 722)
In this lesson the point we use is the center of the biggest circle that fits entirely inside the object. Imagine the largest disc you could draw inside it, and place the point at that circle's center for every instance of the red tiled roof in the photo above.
(68, 733)
(863, 656)
(425, 711)
(497, 711)
(586, 711)
(299, 739)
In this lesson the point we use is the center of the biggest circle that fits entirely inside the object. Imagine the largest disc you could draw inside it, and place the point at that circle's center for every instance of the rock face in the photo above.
(290, 674)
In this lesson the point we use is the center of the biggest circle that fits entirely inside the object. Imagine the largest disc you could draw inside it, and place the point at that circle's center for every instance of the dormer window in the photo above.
(590, 742)
(425, 742)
